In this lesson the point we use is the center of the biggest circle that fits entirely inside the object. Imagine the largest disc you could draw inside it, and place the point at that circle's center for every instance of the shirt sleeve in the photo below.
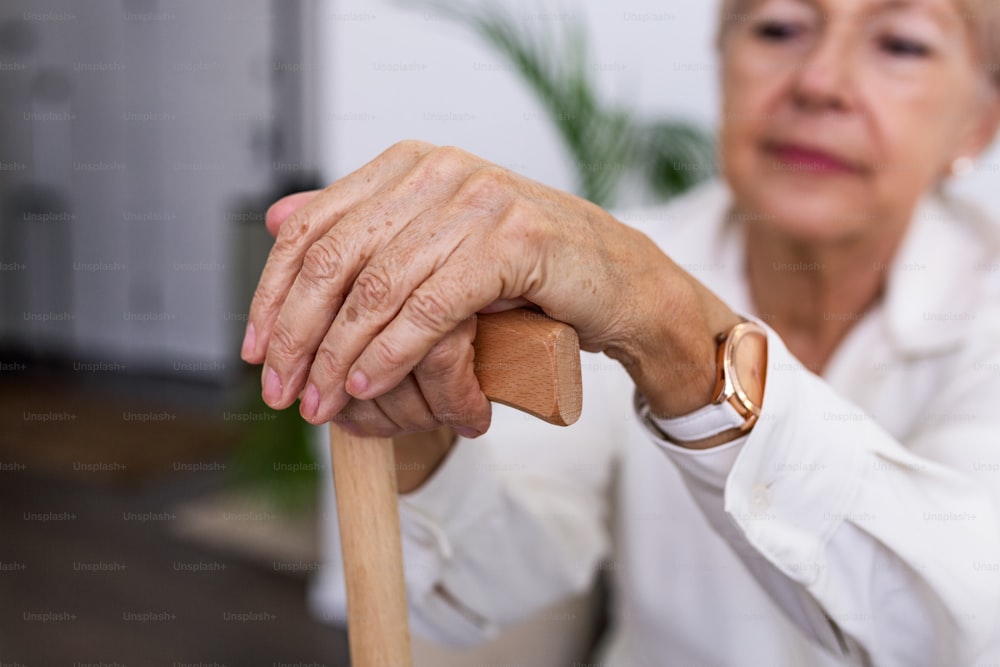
(509, 524)
(883, 553)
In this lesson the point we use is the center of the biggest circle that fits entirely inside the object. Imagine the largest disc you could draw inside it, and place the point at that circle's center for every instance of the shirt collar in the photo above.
(934, 288)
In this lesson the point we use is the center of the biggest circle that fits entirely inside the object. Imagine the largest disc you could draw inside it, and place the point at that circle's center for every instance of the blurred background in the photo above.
(152, 510)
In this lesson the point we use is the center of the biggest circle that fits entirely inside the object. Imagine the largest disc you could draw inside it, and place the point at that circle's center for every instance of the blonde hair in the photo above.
(983, 19)
(981, 16)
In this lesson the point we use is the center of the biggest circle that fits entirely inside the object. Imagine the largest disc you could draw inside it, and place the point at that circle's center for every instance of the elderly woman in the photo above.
(841, 506)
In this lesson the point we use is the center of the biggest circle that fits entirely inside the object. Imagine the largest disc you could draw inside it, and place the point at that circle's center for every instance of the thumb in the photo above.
(282, 209)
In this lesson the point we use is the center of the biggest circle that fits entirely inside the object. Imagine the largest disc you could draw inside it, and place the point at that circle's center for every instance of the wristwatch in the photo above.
(741, 366)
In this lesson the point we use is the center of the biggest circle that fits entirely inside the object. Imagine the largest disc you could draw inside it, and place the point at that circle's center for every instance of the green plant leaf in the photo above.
(276, 458)
(606, 143)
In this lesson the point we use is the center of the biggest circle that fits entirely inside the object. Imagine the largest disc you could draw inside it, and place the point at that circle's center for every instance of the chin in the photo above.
(806, 210)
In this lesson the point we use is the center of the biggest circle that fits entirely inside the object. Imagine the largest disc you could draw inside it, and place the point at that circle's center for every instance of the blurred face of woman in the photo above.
(840, 114)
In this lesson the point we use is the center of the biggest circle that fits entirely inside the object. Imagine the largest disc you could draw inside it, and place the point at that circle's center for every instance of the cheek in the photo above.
(917, 137)
(746, 108)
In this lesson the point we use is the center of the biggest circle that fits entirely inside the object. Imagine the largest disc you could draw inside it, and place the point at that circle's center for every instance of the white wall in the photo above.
(652, 55)
(139, 144)
(649, 54)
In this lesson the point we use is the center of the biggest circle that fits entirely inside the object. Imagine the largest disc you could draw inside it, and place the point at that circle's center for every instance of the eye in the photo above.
(904, 47)
(776, 31)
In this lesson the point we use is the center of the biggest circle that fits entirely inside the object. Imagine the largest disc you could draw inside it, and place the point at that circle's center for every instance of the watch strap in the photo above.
(703, 423)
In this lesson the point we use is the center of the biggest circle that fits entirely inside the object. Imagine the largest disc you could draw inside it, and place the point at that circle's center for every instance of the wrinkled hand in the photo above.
(429, 397)
(367, 302)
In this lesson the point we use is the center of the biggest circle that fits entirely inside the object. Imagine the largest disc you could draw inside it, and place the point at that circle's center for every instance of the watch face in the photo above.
(747, 363)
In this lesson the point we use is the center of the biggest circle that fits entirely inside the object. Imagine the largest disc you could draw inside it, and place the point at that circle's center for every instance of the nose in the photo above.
(823, 80)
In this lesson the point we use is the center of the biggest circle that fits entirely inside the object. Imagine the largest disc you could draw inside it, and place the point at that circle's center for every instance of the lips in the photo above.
(797, 157)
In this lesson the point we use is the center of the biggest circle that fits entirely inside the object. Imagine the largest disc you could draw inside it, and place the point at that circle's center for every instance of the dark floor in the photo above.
(90, 575)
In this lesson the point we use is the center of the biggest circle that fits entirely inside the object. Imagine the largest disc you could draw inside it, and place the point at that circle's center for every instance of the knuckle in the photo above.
(372, 289)
(521, 229)
(408, 148)
(321, 262)
(283, 346)
(435, 166)
(376, 426)
(265, 297)
(448, 155)
(415, 422)
(463, 407)
(470, 403)
(295, 231)
(456, 397)
(519, 223)
(326, 366)
(429, 311)
(485, 187)
(389, 358)
(442, 357)
(450, 413)
(447, 417)
(360, 415)
(397, 160)
(445, 157)
(426, 421)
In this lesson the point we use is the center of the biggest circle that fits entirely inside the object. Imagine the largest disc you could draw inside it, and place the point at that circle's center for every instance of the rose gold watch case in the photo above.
(728, 385)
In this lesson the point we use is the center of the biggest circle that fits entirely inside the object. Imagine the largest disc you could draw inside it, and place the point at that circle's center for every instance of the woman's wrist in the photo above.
(418, 455)
(672, 357)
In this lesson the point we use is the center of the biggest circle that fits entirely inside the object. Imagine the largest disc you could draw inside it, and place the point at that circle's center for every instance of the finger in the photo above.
(501, 305)
(282, 209)
(298, 233)
(368, 419)
(403, 404)
(502, 263)
(431, 311)
(325, 387)
(406, 407)
(447, 381)
(419, 249)
(374, 299)
(335, 266)
(364, 418)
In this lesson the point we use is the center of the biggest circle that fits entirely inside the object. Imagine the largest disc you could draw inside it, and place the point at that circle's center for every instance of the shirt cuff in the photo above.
(709, 466)
(785, 509)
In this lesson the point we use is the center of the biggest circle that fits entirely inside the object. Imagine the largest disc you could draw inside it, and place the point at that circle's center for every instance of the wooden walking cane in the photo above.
(524, 360)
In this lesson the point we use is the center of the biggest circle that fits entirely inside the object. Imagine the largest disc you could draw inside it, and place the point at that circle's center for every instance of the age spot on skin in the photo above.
(352, 314)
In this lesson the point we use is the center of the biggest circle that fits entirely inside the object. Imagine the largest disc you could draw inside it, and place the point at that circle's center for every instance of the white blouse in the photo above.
(856, 524)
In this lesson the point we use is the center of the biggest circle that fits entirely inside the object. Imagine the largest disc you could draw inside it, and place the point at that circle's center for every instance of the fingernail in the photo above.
(249, 341)
(467, 432)
(272, 386)
(310, 402)
(357, 384)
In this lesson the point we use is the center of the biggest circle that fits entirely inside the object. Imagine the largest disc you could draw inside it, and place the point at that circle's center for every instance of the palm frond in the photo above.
(606, 143)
